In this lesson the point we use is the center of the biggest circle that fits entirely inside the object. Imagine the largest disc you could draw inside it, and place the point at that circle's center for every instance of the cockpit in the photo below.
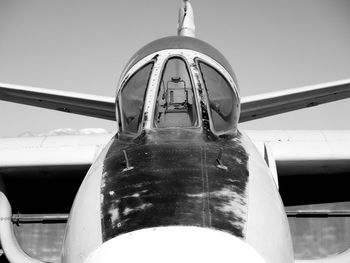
(177, 89)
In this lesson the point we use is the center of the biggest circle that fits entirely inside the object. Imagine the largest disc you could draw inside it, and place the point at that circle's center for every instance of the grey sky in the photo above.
(83, 45)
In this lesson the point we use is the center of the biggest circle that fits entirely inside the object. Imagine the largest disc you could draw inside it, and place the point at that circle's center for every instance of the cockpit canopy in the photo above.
(223, 102)
(177, 88)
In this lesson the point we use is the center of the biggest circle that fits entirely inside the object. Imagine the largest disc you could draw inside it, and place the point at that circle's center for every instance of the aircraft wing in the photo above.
(308, 164)
(83, 104)
(49, 166)
(269, 104)
(252, 107)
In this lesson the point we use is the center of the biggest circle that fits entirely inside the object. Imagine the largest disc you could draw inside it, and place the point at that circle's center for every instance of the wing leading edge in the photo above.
(269, 104)
(78, 103)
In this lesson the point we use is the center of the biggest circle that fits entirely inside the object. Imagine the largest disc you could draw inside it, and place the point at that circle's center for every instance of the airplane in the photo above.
(178, 181)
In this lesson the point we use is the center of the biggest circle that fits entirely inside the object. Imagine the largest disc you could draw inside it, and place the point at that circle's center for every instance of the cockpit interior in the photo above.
(175, 103)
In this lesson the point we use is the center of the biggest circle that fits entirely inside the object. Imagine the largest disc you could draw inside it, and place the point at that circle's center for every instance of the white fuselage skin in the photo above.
(266, 239)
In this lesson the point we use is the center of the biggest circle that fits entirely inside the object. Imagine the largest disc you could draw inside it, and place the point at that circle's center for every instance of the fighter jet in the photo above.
(178, 181)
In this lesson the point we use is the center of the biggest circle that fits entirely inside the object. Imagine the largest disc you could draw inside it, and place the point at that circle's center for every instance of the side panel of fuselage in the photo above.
(83, 232)
(267, 226)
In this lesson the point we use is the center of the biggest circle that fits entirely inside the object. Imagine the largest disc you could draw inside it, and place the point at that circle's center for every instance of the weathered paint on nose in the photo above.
(190, 182)
(175, 244)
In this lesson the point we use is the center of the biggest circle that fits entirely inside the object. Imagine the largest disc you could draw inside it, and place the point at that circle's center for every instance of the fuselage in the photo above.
(178, 176)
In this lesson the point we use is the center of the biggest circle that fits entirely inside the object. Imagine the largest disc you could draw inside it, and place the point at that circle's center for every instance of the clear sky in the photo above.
(83, 45)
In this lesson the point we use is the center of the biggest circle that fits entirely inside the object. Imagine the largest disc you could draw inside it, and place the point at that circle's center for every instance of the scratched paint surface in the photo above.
(174, 182)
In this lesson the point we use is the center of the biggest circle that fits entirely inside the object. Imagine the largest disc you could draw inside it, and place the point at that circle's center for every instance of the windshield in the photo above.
(175, 105)
(132, 97)
(222, 99)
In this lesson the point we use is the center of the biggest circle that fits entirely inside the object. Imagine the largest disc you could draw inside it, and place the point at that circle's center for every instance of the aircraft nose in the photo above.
(175, 244)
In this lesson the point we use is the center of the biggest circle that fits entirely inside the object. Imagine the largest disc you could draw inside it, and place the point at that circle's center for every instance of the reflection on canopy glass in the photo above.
(221, 98)
(132, 97)
(175, 105)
